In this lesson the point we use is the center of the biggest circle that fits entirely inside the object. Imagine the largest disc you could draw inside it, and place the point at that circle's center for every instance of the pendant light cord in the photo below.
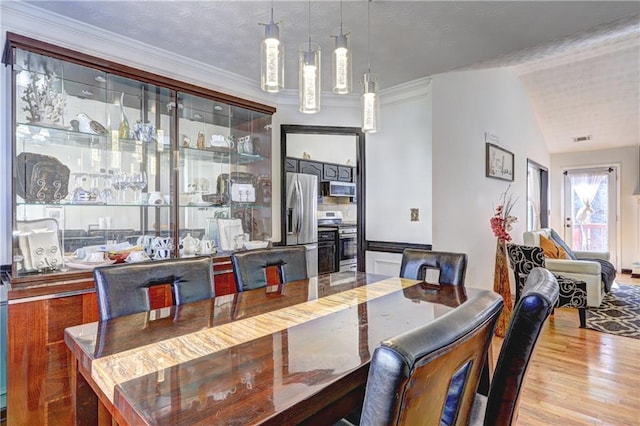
(271, 11)
(369, 35)
(309, 25)
(340, 17)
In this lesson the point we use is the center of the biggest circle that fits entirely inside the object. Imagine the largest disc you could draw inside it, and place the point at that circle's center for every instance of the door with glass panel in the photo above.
(590, 210)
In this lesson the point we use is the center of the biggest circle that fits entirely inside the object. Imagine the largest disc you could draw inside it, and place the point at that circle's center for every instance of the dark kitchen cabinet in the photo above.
(345, 173)
(291, 165)
(327, 252)
(329, 171)
(310, 168)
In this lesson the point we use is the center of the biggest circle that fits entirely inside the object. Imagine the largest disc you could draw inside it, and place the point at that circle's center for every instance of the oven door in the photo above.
(348, 250)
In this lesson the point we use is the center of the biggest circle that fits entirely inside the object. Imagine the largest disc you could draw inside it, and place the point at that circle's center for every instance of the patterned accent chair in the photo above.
(573, 292)
(593, 268)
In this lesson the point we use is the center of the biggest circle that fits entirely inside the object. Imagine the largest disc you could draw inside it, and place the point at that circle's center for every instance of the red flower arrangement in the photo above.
(502, 219)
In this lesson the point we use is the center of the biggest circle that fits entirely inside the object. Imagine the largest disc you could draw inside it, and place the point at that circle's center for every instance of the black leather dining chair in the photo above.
(452, 266)
(124, 289)
(429, 376)
(250, 267)
(500, 407)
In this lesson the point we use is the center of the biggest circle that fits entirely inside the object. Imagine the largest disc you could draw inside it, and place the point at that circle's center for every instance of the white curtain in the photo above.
(533, 200)
(585, 185)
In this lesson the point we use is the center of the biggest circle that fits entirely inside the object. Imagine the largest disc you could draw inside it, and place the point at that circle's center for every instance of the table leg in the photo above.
(84, 400)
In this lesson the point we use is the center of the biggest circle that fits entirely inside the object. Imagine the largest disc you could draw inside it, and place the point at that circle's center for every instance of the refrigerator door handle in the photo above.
(290, 221)
(301, 208)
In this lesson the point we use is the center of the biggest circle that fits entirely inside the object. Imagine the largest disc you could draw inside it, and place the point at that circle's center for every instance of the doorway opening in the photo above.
(537, 196)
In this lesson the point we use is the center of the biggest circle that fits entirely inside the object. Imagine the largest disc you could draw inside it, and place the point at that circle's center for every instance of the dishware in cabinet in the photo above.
(226, 173)
(89, 147)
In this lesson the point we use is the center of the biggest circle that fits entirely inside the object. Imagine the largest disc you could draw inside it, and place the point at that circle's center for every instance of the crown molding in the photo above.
(406, 91)
(57, 29)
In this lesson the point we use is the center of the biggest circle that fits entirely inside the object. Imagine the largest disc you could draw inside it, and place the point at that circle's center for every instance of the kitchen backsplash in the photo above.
(349, 211)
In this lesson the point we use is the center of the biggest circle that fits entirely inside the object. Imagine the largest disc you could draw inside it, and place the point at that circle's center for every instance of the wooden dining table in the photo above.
(286, 354)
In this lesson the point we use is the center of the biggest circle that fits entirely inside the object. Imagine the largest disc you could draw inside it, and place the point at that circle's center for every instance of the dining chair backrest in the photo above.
(124, 289)
(429, 376)
(250, 267)
(452, 266)
(538, 298)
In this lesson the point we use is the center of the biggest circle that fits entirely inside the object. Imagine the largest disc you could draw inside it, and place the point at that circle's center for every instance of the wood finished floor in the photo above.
(579, 376)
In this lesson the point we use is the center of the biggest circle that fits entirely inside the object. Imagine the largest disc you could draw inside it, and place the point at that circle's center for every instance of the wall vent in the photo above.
(582, 138)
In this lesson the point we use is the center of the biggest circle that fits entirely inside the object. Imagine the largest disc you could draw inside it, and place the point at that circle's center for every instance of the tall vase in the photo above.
(502, 287)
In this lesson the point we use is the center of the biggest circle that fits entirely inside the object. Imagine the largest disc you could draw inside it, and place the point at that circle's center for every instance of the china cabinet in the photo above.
(109, 161)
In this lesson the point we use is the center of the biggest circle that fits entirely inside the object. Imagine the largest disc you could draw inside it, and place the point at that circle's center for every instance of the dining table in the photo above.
(294, 353)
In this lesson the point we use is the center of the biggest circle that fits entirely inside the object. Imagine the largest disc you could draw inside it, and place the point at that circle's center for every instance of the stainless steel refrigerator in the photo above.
(302, 216)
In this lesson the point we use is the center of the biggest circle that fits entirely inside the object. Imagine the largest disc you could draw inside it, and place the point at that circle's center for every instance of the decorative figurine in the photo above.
(200, 141)
(44, 104)
(87, 125)
(123, 130)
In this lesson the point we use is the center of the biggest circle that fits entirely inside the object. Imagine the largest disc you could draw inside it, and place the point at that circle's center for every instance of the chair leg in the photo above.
(582, 312)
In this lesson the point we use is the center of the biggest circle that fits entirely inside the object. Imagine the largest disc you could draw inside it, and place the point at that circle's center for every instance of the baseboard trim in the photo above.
(393, 247)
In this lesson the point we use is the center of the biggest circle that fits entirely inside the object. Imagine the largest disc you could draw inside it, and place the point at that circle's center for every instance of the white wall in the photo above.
(629, 212)
(338, 149)
(399, 168)
(465, 106)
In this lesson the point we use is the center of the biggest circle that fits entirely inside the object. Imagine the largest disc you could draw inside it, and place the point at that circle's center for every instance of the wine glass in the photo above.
(138, 183)
(120, 182)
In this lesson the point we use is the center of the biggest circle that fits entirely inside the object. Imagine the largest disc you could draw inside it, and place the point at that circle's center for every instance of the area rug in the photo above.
(619, 312)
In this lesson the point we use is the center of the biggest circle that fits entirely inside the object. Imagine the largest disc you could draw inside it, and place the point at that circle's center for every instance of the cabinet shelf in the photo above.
(219, 156)
(101, 205)
(36, 134)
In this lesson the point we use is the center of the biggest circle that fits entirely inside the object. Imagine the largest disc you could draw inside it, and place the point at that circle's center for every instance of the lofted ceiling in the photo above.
(579, 61)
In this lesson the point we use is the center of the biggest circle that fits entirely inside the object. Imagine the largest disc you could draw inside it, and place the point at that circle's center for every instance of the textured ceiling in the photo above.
(415, 39)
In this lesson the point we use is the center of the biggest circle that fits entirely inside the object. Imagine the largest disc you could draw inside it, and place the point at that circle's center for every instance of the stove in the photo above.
(347, 238)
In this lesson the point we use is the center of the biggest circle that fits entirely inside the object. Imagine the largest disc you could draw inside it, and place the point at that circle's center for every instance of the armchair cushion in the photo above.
(560, 242)
(573, 266)
(551, 249)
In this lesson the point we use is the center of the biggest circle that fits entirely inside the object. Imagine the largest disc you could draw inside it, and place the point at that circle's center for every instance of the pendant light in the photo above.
(309, 75)
(341, 62)
(271, 58)
(370, 98)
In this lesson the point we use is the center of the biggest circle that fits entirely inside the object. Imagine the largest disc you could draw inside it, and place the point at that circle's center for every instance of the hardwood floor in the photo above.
(579, 376)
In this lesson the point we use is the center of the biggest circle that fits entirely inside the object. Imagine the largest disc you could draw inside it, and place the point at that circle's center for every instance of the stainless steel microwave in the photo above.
(339, 189)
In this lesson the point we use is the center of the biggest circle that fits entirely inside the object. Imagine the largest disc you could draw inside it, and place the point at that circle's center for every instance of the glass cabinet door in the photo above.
(224, 176)
(92, 167)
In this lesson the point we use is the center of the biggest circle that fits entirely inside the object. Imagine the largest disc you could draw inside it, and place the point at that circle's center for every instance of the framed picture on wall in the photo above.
(499, 163)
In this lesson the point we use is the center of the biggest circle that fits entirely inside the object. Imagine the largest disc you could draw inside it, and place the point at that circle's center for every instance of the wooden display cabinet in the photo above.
(98, 150)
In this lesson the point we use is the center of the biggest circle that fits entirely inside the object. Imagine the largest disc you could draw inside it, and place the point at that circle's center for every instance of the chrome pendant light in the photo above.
(370, 101)
(271, 58)
(341, 62)
(309, 75)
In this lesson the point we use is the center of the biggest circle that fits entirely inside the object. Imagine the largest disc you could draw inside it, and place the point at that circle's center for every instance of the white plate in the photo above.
(81, 264)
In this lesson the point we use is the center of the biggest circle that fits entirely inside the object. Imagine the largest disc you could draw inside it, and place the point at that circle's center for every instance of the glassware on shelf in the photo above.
(138, 183)
(120, 182)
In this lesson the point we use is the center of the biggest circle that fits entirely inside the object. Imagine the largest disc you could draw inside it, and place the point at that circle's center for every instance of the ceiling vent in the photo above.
(582, 138)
